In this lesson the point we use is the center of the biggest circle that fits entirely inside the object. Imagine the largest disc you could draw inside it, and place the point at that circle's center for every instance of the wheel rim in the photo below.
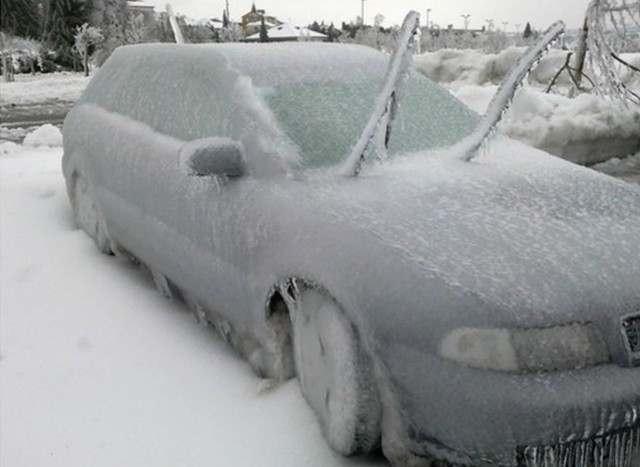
(84, 207)
(330, 372)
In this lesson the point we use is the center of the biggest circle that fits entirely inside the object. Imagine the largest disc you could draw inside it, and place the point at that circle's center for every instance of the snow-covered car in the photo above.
(482, 312)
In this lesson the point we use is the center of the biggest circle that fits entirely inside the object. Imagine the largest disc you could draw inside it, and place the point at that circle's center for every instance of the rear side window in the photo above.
(184, 95)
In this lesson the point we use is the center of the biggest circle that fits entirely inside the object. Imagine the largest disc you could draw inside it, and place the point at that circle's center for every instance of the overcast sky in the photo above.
(541, 13)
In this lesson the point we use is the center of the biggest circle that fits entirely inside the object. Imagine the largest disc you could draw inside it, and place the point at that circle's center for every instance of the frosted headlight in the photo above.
(527, 350)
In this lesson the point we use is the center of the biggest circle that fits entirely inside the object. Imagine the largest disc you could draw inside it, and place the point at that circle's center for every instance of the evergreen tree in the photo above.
(225, 20)
(63, 17)
(264, 37)
(527, 31)
(20, 18)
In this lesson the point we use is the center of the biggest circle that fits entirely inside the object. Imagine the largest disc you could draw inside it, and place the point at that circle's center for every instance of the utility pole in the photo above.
(428, 24)
(226, 8)
(466, 21)
(362, 13)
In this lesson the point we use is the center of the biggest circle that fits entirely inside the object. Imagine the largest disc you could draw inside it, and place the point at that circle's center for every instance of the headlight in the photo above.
(527, 350)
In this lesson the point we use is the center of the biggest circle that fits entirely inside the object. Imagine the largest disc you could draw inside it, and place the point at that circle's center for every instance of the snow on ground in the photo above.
(96, 368)
(32, 89)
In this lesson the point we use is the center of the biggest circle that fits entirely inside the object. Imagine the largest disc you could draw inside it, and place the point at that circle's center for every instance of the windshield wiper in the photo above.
(467, 149)
(375, 137)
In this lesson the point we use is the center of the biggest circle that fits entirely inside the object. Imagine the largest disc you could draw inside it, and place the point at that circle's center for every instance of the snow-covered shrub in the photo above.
(47, 135)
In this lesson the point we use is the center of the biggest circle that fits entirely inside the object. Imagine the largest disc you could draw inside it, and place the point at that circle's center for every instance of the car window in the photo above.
(324, 119)
(182, 95)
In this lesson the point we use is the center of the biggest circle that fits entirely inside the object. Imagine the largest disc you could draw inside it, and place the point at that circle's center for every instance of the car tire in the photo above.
(334, 373)
(87, 214)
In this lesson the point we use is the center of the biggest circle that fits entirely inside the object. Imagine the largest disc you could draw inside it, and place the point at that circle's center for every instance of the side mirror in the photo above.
(213, 156)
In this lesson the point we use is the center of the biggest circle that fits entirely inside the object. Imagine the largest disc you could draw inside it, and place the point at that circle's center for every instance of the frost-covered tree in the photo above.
(86, 38)
(232, 33)
(611, 27)
(110, 16)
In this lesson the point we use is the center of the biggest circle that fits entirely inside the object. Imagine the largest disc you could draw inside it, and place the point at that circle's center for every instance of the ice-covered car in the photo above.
(482, 312)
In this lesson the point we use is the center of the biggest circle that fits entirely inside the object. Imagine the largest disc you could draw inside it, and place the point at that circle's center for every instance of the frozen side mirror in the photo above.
(212, 156)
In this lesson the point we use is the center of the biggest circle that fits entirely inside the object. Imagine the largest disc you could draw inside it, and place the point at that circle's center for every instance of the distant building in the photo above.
(288, 32)
(147, 10)
(252, 21)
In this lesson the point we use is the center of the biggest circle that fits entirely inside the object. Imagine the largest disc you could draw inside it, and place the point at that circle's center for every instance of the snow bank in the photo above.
(585, 130)
(464, 67)
(33, 89)
(46, 135)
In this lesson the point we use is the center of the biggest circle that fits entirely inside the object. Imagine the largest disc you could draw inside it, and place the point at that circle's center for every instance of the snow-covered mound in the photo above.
(46, 135)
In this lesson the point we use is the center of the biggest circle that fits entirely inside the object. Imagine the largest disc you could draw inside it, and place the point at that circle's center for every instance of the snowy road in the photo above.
(97, 369)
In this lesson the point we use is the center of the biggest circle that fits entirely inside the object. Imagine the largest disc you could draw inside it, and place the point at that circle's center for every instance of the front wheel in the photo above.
(87, 214)
(334, 373)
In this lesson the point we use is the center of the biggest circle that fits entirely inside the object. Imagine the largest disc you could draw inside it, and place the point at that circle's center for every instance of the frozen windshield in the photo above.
(325, 118)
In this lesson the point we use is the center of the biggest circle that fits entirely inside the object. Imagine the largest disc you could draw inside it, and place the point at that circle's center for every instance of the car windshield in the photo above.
(324, 119)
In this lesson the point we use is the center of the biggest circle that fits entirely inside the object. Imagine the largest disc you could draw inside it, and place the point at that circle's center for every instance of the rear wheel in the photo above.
(87, 214)
(334, 373)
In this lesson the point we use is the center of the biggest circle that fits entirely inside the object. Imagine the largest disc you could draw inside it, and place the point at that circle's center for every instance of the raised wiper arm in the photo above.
(175, 27)
(467, 149)
(375, 136)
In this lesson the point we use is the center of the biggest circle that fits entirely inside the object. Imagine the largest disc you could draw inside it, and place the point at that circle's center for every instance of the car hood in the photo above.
(517, 229)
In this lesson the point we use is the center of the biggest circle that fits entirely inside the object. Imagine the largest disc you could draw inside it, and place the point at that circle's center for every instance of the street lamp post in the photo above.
(466, 21)
(428, 11)
(490, 24)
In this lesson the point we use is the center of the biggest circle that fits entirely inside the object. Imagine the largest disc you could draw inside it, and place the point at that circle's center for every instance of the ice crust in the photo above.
(411, 249)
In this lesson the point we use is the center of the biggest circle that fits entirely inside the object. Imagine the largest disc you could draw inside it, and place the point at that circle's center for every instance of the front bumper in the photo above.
(478, 417)
(619, 449)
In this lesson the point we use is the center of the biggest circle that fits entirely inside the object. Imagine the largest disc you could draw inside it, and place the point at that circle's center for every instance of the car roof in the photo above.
(276, 63)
